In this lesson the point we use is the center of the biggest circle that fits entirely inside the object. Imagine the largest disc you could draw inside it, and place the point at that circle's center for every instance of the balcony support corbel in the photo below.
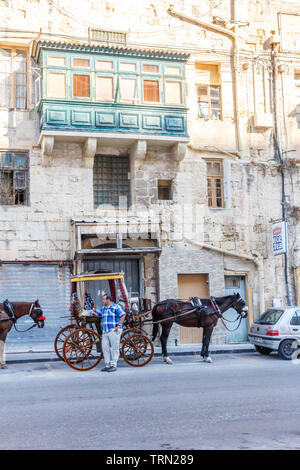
(89, 151)
(179, 151)
(47, 145)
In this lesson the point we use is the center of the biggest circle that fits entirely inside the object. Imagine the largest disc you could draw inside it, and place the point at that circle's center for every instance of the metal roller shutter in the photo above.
(48, 283)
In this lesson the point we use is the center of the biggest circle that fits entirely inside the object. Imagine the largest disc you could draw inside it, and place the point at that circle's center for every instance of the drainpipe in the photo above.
(233, 36)
(278, 151)
(257, 259)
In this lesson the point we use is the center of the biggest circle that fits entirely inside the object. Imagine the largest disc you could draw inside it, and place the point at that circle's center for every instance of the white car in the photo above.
(277, 329)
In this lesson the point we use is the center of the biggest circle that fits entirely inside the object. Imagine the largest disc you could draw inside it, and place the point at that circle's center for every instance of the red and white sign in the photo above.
(279, 238)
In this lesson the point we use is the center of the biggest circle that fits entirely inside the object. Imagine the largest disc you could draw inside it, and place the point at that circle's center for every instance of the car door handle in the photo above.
(295, 329)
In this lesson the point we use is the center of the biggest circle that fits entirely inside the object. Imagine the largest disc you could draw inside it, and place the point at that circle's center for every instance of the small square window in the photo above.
(164, 190)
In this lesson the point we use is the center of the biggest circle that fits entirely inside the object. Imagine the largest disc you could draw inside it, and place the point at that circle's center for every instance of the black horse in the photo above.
(188, 314)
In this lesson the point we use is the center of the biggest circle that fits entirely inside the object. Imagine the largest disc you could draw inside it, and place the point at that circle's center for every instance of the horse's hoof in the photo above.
(207, 359)
(168, 360)
(3, 366)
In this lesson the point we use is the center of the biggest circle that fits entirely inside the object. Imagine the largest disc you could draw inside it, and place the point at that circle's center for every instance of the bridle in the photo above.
(239, 316)
(35, 323)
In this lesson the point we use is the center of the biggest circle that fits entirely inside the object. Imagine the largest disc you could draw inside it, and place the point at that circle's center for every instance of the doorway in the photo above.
(192, 285)
(234, 284)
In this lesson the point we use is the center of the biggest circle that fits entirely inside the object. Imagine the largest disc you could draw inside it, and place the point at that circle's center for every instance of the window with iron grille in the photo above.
(13, 178)
(215, 184)
(111, 182)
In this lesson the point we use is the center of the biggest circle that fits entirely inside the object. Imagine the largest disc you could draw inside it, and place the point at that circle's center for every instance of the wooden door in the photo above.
(192, 285)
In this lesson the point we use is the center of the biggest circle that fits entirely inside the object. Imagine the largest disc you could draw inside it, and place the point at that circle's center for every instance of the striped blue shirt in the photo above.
(110, 317)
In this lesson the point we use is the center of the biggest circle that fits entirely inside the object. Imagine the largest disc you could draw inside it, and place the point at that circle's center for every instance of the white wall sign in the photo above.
(279, 238)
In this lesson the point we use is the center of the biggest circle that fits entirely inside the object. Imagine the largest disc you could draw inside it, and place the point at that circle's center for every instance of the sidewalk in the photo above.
(42, 355)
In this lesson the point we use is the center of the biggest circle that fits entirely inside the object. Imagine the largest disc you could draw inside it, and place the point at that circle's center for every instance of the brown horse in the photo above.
(33, 309)
(169, 311)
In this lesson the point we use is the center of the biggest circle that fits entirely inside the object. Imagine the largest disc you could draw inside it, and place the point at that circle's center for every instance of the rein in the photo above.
(219, 313)
(170, 318)
(14, 320)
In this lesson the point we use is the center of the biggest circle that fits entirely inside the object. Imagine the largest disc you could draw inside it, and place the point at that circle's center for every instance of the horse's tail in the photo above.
(155, 325)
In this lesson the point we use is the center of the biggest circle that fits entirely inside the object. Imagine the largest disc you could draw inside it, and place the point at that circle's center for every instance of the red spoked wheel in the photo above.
(82, 349)
(130, 332)
(60, 339)
(137, 350)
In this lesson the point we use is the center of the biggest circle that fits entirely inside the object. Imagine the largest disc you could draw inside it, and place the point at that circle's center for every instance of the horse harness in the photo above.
(12, 316)
(199, 309)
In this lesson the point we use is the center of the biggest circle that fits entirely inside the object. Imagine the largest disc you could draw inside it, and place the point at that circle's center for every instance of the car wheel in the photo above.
(286, 349)
(262, 350)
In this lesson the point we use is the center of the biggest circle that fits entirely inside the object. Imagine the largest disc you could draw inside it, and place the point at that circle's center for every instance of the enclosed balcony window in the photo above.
(170, 70)
(56, 85)
(81, 63)
(151, 91)
(81, 86)
(105, 65)
(150, 68)
(173, 92)
(127, 66)
(104, 88)
(129, 89)
(57, 61)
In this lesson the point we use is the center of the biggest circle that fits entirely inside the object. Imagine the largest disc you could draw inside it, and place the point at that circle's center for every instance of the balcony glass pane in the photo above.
(81, 86)
(128, 89)
(150, 68)
(127, 67)
(173, 92)
(56, 85)
(151, 91)
(81, 62)
(104, 88)
(105, 65)
(58, 61)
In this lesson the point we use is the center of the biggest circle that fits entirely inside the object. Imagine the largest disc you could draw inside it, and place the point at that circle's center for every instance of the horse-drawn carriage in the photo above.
(79, 343)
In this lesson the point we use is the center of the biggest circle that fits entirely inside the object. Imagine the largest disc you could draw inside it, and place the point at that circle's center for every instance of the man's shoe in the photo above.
(105, 369)
(112, 369)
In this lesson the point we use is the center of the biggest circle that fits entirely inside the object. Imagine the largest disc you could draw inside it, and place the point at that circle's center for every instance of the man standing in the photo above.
(112, 317)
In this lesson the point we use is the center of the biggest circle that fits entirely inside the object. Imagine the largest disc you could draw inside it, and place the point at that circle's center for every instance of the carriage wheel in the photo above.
(60, 339)
(82, 349)
(130, 332)
(137, 350)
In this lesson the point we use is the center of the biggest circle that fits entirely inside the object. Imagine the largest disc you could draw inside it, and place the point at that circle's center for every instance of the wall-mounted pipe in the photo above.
(256, 258)
(234, 38)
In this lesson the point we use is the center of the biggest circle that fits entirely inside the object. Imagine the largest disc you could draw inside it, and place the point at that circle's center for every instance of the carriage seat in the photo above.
(9, 309)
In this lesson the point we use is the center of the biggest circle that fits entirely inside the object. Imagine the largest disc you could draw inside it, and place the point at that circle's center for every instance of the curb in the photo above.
(156, 354)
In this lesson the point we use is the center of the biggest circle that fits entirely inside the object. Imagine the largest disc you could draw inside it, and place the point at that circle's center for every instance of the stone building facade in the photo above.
(206, 136)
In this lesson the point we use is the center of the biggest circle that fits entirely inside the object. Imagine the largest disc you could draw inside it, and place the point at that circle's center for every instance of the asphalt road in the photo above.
(241, 401)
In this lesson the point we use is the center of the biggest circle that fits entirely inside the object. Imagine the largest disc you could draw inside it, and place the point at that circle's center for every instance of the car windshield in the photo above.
(269, 317)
